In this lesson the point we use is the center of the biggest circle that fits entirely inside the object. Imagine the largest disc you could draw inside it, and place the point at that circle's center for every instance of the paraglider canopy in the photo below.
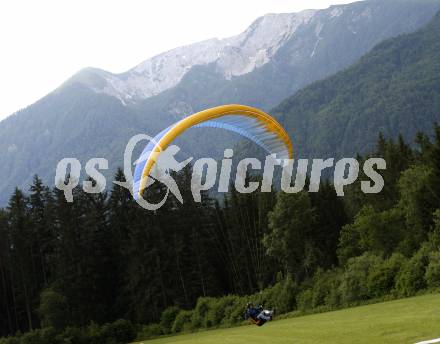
(247, 121)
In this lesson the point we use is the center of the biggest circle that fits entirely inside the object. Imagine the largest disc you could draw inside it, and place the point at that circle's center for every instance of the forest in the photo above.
(104, 270)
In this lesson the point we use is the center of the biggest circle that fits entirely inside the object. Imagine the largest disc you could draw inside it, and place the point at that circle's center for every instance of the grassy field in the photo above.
(402, 321)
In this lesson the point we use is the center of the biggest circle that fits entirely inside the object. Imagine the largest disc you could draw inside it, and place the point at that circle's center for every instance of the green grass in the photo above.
(402, 321)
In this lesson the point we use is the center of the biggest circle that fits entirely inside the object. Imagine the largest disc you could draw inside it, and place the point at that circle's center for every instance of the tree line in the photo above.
(102, 257)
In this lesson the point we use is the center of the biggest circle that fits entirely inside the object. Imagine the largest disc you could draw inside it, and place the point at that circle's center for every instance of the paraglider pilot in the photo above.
(257, 315)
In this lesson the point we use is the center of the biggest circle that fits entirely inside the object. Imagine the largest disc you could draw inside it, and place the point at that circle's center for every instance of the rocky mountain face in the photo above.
(94, 113)
(232, 56)
(326, 39)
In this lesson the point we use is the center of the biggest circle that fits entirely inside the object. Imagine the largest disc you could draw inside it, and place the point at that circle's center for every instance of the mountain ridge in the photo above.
(234, 56)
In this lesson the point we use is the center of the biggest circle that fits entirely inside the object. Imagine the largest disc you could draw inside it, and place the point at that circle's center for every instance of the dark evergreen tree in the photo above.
(22, 270)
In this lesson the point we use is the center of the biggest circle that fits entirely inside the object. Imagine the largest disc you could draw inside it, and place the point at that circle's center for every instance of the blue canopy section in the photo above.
(141, 162)
(247, 127)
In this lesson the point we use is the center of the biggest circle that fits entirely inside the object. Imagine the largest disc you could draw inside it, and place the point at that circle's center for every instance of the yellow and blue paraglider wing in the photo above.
(246, 121)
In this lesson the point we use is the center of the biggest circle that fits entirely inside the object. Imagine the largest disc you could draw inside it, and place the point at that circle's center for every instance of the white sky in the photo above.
(44, 42)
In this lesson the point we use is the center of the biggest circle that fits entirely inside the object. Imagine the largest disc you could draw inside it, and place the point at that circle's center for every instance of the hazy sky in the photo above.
(44, 42)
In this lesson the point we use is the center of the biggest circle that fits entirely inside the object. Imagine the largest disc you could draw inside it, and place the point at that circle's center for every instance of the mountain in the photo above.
(285, 51)
(94, 113)
(232, 56)
(394, 89)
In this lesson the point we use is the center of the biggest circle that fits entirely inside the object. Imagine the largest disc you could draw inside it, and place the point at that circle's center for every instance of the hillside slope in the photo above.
(402, 321)
(393, 89)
